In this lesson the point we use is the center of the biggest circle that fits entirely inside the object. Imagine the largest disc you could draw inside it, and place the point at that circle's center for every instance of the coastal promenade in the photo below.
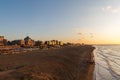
(66, 63)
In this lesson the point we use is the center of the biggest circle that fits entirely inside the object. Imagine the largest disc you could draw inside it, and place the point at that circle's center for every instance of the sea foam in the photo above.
(107, 63)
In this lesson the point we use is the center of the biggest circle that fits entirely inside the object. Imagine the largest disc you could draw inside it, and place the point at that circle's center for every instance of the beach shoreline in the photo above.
(66, 63)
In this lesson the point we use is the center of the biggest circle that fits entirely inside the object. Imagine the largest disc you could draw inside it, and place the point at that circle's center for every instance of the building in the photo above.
(54, 43)
(61, 43)
(39, 43)
(47, 43)
(18, 42)
(29, 41)
(5, 42)
(1, 40)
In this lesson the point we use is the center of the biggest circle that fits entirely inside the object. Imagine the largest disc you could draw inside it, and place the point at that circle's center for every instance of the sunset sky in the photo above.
(78, 21)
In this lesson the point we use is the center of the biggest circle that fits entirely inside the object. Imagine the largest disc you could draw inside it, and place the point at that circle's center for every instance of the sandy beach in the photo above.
(66, 63)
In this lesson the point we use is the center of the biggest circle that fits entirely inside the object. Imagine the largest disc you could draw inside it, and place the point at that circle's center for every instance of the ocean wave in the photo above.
(107, 59)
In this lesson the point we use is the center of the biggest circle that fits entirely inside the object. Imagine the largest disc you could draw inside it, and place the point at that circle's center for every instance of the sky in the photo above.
(76, 21)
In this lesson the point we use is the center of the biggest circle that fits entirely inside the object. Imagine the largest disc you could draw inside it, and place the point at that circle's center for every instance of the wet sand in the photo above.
(67, 63)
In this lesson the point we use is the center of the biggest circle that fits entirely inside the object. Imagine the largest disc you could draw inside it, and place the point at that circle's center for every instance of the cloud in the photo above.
(91, 35)
(79, 33)
(111, 9)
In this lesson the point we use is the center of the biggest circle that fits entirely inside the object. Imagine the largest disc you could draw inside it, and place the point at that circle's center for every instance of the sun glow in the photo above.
(108, 35)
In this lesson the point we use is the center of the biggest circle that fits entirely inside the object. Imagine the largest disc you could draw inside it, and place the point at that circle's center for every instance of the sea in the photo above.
(107, 62)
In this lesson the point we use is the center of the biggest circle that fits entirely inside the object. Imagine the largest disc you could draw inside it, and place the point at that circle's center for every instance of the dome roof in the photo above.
(27, 38)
